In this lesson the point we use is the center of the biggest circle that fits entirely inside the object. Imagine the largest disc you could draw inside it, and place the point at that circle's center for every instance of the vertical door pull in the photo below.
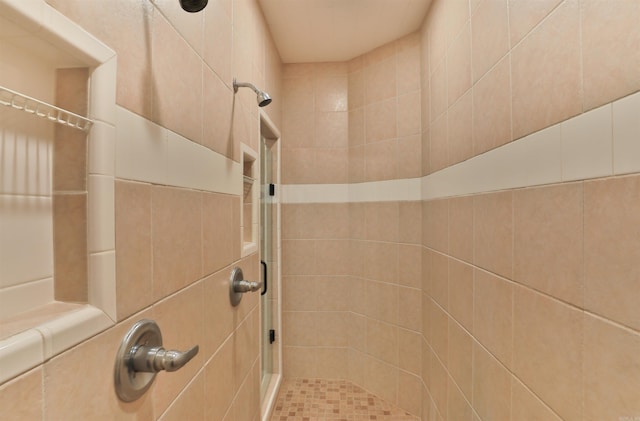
(264, 277)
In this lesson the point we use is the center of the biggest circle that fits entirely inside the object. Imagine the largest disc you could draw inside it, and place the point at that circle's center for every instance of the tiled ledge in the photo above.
(32, 347)
(599, 143)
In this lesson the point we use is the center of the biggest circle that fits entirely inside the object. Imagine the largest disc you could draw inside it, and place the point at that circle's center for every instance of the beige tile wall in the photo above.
(496, 70)
(356, 121)
(315, 290)
(70, 191)
(517, 336)
(494, 308)
(384, 117)
(508, 277)
(315, 124)
(351, 295)
(516, 283)
(347, 267)
(175, 247)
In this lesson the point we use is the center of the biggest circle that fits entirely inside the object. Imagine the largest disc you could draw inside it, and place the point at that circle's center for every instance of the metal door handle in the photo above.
(238, 286)
(264, 276)
(246, 286)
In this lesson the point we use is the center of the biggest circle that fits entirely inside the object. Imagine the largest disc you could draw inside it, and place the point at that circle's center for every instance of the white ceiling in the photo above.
(338, 30)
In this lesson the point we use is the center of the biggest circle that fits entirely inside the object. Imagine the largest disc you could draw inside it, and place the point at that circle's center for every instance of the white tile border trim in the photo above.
(377, 191)
(314, 193)
(148, 152)
(599, 143)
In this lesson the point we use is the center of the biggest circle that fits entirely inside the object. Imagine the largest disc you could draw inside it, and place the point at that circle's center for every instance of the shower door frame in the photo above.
(269, 131)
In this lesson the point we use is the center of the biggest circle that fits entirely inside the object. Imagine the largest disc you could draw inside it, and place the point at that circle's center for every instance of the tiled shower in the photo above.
(458, 214)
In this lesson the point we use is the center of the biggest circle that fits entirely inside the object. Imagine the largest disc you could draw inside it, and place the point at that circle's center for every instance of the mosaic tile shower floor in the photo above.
(332, 400)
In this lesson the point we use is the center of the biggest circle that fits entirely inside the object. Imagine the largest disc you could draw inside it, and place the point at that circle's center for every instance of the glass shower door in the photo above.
(268, 259)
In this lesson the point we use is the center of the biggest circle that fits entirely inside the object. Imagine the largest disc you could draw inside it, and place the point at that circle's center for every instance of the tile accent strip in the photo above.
(600, 143)
(150, 153)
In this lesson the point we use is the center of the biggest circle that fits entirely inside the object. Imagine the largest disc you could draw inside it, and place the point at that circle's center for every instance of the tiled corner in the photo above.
(71, 329)
(102, 98)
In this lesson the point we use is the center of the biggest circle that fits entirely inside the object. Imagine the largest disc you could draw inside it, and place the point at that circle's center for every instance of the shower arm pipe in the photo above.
(237, 85)
(262, 97)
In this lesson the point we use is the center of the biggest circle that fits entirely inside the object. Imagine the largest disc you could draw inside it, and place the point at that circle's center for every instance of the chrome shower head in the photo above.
(263, 98)
(193, 6)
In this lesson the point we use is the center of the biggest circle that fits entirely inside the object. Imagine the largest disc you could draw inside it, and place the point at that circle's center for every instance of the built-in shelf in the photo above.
(54, 60)
(13, 99)
(249, 209)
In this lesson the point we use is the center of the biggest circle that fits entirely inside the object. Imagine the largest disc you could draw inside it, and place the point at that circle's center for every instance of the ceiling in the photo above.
(338, 30)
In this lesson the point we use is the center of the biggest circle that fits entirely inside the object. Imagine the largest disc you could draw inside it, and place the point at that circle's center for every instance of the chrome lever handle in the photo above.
(154, 359)
(141, 356)
(246, 286)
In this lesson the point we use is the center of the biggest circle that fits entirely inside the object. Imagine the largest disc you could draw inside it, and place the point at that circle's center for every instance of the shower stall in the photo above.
(432, 220)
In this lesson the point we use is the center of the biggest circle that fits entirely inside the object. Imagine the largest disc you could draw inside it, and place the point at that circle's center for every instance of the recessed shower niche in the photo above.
(250, 204)
(57, 257)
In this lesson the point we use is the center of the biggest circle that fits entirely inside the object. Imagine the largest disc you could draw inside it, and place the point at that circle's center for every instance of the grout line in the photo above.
(549, 408)
(581, 54)
(539, 24)
(584, 295)
(476, 341)
(542, 293)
